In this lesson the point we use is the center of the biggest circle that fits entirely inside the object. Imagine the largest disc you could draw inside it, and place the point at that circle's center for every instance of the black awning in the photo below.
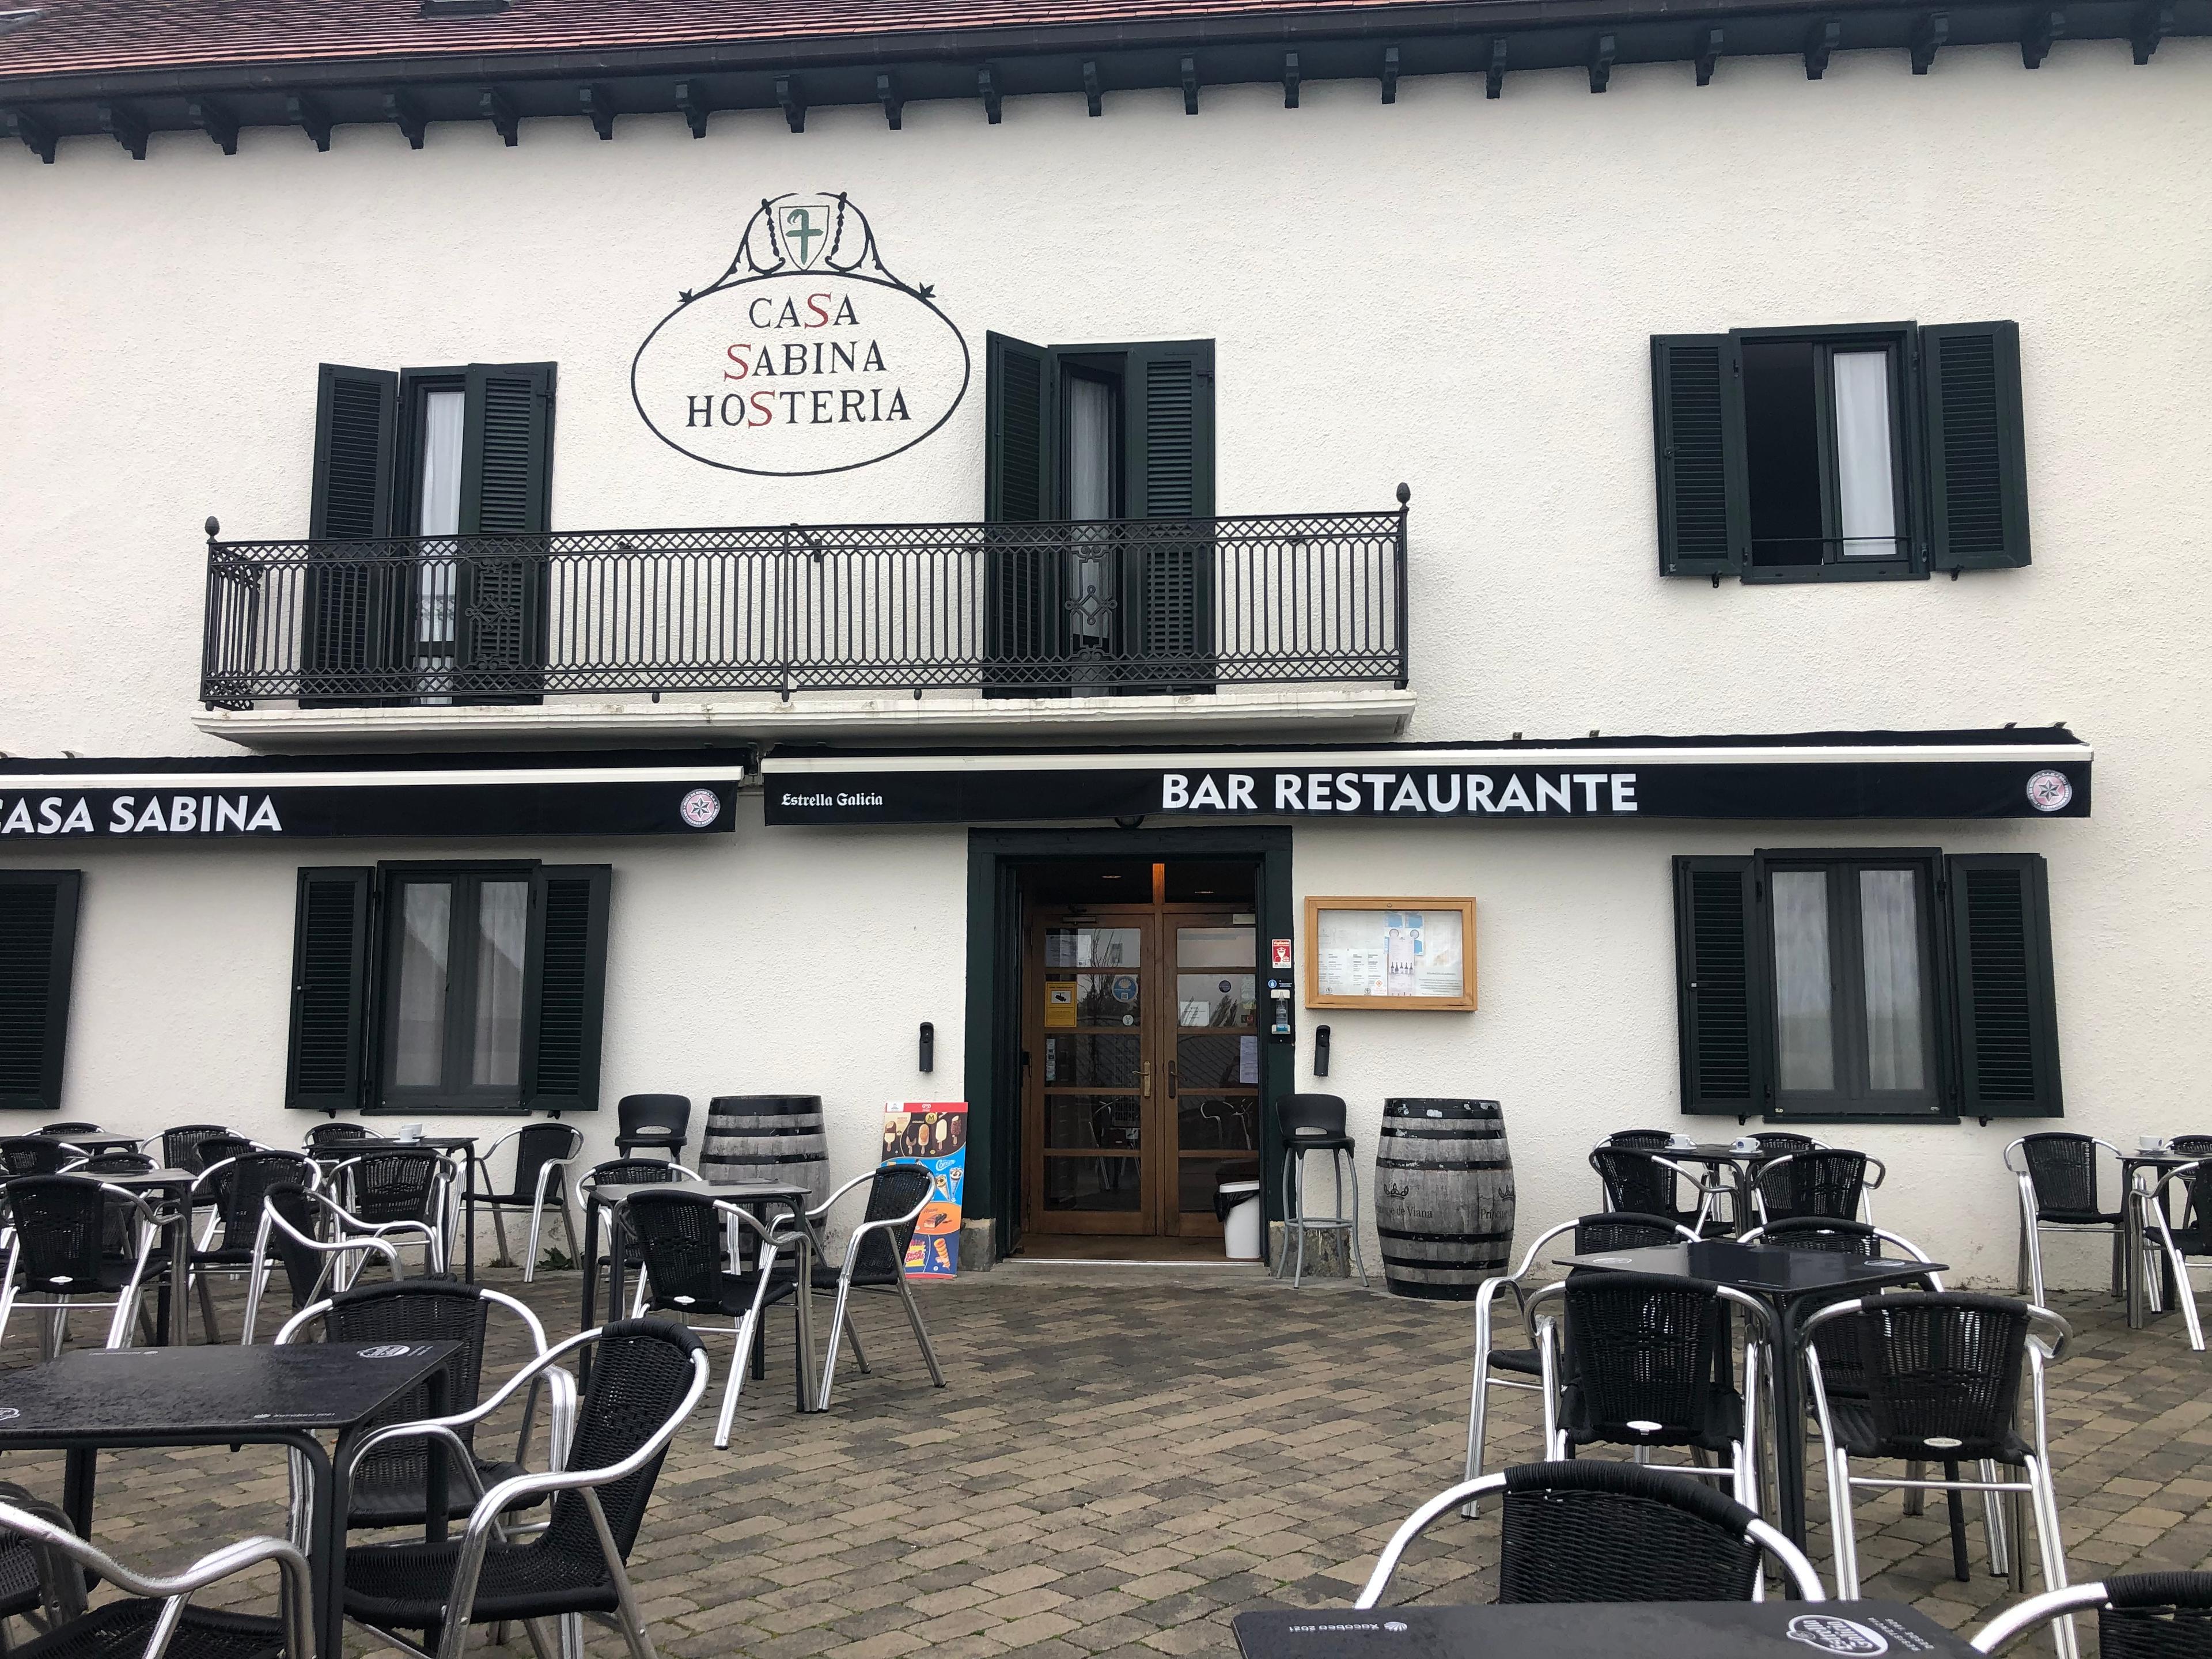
(631, 792)
(2012, 773)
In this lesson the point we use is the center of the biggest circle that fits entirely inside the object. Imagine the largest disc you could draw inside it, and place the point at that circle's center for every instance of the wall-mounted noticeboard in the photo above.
(1390, 953)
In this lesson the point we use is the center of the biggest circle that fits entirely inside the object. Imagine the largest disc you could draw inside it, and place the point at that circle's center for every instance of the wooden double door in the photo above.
(1142, 1037)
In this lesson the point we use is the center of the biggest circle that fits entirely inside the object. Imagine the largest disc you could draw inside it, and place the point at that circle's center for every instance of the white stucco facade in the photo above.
(1450, 291)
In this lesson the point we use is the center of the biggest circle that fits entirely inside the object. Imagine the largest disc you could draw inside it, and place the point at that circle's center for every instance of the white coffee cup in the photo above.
(1743, 1144)
(410, 1132)
(2150, 1143)
(1679, 1142)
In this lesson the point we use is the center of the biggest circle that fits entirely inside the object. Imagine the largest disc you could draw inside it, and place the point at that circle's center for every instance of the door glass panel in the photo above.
(1214, 947)
(1078, 1122)
(1216, 1062)
(1207, 1122)
(1107, 999)
(1094, 1184)
(1866, 488)
(1103, 1062)
(418, 1060)
(1195, 1182)
(1093, 947)
(1889, 917)
(1803, 996)
(502, 909)
(1215, 998)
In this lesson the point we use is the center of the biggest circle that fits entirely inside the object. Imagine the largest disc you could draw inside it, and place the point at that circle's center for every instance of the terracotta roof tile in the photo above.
(77, 37)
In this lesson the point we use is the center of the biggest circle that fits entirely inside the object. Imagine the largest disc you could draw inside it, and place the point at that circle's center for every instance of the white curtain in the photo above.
(1803, 992)
(1889, 921)
(1865, 486)
(1089, 497)
(502, 910)
(440, 515)
(418, 1060)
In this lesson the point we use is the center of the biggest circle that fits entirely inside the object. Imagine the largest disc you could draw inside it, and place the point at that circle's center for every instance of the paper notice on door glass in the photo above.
(1247, 1060)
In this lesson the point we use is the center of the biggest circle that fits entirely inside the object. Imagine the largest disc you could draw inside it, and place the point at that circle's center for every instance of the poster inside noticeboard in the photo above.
(1415, 953)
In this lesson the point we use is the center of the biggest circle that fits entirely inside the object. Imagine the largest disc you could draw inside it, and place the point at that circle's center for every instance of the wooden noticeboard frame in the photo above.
(1464, 1003)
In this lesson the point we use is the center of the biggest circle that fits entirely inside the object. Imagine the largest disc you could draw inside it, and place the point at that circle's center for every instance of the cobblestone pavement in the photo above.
(1126, 1457)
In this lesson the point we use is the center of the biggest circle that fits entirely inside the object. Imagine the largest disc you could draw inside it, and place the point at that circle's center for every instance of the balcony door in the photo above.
(1108, 452)
(1141, 1029)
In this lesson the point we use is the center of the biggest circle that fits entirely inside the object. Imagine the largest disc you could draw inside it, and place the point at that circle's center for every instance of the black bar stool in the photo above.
(1314, 1123)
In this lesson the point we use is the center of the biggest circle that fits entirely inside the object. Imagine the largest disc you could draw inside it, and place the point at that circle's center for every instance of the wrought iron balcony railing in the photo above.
(1021, 610)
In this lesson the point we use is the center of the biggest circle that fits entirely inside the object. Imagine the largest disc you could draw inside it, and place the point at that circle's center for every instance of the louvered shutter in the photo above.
(343, 626)
(2001, 985)
(325, 1065)
(1020, 402)
(1976, 446)
(1167, 399)
(564, 987)
(1697, 438)
(1718, 994)
(506, 486)
(37, 951)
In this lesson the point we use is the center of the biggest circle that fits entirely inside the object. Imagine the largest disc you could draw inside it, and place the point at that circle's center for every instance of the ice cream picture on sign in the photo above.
(806, 355)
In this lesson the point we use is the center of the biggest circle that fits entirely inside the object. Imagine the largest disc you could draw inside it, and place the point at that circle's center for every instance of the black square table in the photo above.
(95, 1145)
(101, 1398)
(753, 1195)
(1608, 1630)
(1780, 1279)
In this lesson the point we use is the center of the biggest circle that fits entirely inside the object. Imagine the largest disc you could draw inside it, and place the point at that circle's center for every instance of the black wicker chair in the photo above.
(390, 1487)
(58, 1251)
(36, 1154)
(2057, 1174)
(1609, 1230)
(108, 1164)
(1638, 1181)
(121, 1628)
(684, 1242)
(630, 1172)
(653, 1122)
(318, 1244)
(1646, 1362)
(1940, 1376)
(36, 1583)
(542, 1155)
(875, 1259)
(646, 1378)
(65, 1130)
(2192, 1238)
(179, 1146)
(1611, 1532)
(235, 1186)
(336, 1139)
(407, 1185)
(2140, 1615)
(1827, 1183)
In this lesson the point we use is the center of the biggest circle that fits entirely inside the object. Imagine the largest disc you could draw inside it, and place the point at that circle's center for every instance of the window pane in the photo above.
(1889, 915)
(1090, 448)
(1803, 996)
(1783, 447)
(1214, 947)
(1865, 487)
(1093, 1183)
(419, 1031)
(502, 909)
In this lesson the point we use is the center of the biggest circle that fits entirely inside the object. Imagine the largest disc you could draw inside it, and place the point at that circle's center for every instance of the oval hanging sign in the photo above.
(806, 355)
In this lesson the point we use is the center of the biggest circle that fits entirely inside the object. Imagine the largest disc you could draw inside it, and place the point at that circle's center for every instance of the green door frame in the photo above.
(993, 1077)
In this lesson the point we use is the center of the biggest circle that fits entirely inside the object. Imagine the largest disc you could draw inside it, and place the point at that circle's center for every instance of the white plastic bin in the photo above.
(1240, 1235)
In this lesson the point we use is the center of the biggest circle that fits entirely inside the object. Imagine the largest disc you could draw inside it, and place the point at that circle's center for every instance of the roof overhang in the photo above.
(1824, 776)
(679, 792)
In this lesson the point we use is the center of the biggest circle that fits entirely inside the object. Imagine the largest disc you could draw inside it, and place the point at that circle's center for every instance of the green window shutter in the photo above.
(1718, 998)
(564, 987)
(1167, 398)
(1977, 446)
(1697, 440)
(38, 953)
(1021, 428)
(2003, 986)
(355, 454)
(326, 1062)
(506, 487)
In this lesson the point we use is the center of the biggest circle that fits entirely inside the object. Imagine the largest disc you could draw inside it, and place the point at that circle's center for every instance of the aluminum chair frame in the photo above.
(1744, 1471)
(2158, 1235)
(840, 1318)
(484, 1526)
(1874, 1175)
(553, 1168)
(175, 1593)
(57, 1306)
(1705, 1183)
(1486, 1296)
(2028, 1280)
(2037, 1488)
(1768, 1538)
(368, 1241)
(2017, 1620)
(202, 1193)
(438, 1234)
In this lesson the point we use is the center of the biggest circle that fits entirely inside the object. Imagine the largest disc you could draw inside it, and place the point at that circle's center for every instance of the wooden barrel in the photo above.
(1443, 1197)
(768, 1138)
